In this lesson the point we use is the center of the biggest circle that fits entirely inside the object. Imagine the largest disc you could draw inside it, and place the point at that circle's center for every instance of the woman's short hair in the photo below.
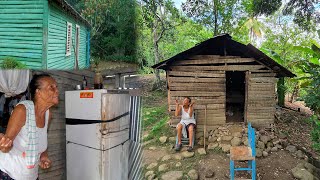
(189, 99)
(35, 83)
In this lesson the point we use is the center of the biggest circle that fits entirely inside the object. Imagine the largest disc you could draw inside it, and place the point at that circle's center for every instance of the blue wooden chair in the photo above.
(244, 153)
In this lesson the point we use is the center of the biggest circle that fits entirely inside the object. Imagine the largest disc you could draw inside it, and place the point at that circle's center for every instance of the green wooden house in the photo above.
(44, 34)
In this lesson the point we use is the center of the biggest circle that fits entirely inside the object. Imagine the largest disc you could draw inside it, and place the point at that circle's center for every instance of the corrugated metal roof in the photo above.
(224, 45)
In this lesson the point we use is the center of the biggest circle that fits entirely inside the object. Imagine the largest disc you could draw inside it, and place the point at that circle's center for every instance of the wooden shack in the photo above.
(231, 81)
(44, 34)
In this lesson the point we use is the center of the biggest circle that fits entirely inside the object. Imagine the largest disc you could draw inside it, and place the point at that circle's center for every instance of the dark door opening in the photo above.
(235, 96)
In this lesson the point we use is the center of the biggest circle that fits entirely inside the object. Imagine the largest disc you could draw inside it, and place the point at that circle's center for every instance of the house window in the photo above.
(69, 39)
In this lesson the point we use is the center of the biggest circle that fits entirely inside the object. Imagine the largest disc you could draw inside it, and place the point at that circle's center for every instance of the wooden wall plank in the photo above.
(218, 68)
(197, 74)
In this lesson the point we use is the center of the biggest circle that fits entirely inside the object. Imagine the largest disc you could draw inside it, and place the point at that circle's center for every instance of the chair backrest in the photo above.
(252, 139)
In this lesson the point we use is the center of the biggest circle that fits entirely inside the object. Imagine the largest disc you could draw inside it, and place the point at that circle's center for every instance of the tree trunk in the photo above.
(156, 84)
(295, 92)
(281, 91)
(215, 10)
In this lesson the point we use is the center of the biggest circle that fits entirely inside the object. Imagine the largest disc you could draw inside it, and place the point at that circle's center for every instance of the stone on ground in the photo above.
(265, 153)
(163, 167)
(172, 139)
(148, 173)
(291, 148)
(201, 151)
(166, 158)
(193, 174)
(237, 134)
(152, 177)
(212, 139)
(274, 149)
(235, 141)
(178, 157)
(213, 145)
(163, 139)
(265, 139)
(312, 169)
(179, 164)
(226, 138)
(260, 145)
(152, 148)
(187, 154)
(172, 175)
(152, 165)
(299, 154)
(258, 152)
(209, 174)
(302, 173)
(225, 147)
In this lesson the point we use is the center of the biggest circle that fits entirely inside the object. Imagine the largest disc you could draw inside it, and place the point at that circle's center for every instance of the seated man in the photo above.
(187, 124)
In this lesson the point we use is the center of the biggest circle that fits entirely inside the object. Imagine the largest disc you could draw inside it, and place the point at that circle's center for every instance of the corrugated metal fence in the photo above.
(135, 147)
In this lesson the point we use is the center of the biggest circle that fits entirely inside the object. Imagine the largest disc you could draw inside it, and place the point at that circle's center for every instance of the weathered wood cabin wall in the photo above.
(66, 81)
(203, 79)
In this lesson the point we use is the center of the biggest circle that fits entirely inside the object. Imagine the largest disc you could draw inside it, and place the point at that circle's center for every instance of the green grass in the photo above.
(155, 122)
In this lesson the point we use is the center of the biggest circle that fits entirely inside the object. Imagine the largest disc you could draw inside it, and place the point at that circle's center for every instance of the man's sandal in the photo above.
(189, 149)
(178, 147)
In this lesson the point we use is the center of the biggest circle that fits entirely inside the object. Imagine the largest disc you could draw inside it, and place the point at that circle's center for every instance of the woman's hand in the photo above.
(177, 102)
(45, 162)
(5, 143)
(191, 105)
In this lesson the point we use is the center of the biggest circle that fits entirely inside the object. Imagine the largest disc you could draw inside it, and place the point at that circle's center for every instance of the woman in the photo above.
(24, 145)
(187, 123)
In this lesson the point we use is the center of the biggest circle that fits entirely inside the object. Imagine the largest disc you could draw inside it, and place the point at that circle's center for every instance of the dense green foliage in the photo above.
(12, 63)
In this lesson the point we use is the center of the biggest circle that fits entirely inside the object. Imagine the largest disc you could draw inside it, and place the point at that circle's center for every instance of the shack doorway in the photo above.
(235, 96)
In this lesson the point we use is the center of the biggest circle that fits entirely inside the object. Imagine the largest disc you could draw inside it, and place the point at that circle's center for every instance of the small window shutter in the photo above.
(69, 39)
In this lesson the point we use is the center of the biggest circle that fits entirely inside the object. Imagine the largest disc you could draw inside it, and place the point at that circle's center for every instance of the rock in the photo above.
(245, 141)
(178, 157)
(200, 142)
(172, 175)
(178, 164)
(215, 132)
(152, 165)
(265, 139)
(262, 131)
(151, 177)
(193, 174)
(264, 153)
(163, 167)
(213, 145)
(291, 148)
(235, 141)
(258, 152)
(274, 149)
(279, 146)
(260, 145)
(172, 139)
(282, 136)
(209, 174)
(166, 158)
(212, 139)
(269, 144)
(145, 136)
(187, 154)
(225, 147)
(312, 169)
(237, 134)
(302, 173)
(148, 173)
(226, 138)
(152, 148)
(299, 154)
(276, 142)
(163, 139)
(201, 151)
(268, 149)
(219, 139)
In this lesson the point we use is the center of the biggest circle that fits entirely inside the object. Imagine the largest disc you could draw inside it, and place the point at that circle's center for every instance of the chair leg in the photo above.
(193, 138)
(231, 169)
(253, 174)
